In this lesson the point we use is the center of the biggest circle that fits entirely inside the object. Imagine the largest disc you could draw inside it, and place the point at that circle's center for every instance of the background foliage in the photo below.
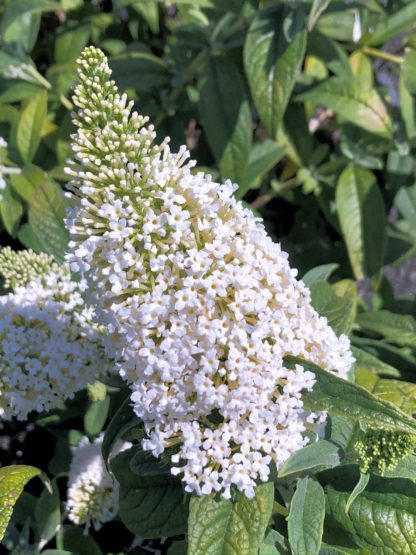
(310, 108)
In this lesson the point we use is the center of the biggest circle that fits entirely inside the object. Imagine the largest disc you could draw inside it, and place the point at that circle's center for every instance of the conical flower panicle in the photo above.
(200, 305)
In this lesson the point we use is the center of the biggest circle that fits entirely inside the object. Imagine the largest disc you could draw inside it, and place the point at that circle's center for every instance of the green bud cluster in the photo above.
(21, 267)
(380, 449)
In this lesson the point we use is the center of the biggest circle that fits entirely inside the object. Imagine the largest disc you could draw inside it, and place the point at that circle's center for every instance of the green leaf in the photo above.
(123, 421)
(368, 361)
(47, 514)
(11, 210)
(380, 522)
(223, 527)
(398, 22)
(150, 506)
(19, 8)
(343, 398)
(139, 70)
(319, 455)
(12, 481)
(225, 113)
(397, 392)
(357, 104)
(340, 311)
(95, 416)
(319, 273)
(405, 468)
(359, 488)
(69, 44)
(407, 99)
(405, 200)
(362, 217)
(272, 64)
(74, 540)
(30, 125)
(395, 328)
(263, 157)
(144, 463)
(47, 211)
(306, 517)
(317, 9)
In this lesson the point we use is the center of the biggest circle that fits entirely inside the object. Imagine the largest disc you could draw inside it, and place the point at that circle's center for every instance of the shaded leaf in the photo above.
(340, 311)
(395, 328)
(226, 116)
(272, 64)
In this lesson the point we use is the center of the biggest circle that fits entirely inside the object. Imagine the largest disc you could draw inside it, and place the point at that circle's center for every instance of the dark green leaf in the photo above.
(306, 517)
(19, 8)
(47, 211)
(400, 21)
(123, 421)
(272, 64)
(226, 116)
(263, 157)
(343, 398)
(319, 455)
(30, 125)
(340, 311)
(224, 527)
(361, 213)
(395, 328)
(319, 273)
(150, 506)
(380, 522)
(139, 70)
(73, 539)
(47, 514)
(11, 210)
(317, 9)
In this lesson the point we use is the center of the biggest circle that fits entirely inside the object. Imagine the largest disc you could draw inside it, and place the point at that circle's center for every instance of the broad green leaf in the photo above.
(150, 506)
(74, 540)
(275, 544)
(329, 52)
(95, 416)
(47, 514)
(399, 21)
(407, 107)
(405, 468)
(11, 210)
(27, 237)
(382, 523)
(139, 70)
(319, 455)
(395, 328)
(405, 201)
(225, 527)
(30, 125)
(340, 311)
(47, 211)
(343, 398)
(272, 64)
(12, 481)
(263, 157)
(178, 548)
(69, 44)
(409, 70)
(23, 31)
(144, 463)
(317, 9)
(343, 432)
(306, 517)
(319, 273)
(225, 113)
(357, 104)
(398, 392)
(123, 421)
(365, 360)
(19, 8)
(362, 217)
(359, 488)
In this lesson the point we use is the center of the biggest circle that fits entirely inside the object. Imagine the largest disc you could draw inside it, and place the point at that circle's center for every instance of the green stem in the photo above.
(382, 55)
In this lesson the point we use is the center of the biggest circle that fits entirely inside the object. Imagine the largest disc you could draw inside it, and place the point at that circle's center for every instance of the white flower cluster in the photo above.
(49, 348)
(92, 496)
(200, 305)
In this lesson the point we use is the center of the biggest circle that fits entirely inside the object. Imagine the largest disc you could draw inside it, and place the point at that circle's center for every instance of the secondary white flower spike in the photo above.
(92, 496)
(199, 303)
(49, 347)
